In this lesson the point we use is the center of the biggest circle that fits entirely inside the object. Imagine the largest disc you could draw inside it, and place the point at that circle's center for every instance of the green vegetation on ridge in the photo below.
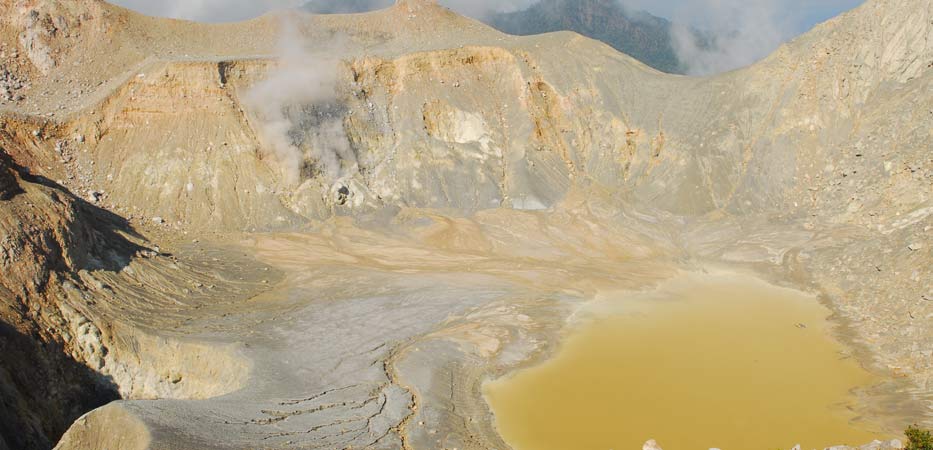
(918, 439)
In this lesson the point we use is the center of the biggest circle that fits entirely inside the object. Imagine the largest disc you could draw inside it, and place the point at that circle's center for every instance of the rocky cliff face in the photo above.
(62, 352)
(44, 387)
(8, 185)
(637, 34)
(441, 139)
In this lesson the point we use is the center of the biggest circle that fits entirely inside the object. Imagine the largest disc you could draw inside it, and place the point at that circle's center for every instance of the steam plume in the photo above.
(297, 112)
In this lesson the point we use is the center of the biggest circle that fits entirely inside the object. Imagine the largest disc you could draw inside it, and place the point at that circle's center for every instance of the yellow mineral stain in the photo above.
(728, 362)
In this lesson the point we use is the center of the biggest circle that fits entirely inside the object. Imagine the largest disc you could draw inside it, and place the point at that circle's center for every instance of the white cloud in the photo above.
(740, 31)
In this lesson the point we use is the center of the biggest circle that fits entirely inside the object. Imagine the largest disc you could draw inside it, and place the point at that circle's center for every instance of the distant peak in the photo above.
(420, 8)
(415, 4)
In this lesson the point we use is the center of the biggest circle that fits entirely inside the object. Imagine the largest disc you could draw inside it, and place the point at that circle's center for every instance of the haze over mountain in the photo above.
(706, 36)
(638, 34)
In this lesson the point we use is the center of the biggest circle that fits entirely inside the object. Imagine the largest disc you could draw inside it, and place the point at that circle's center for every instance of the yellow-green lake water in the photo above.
(730, 362)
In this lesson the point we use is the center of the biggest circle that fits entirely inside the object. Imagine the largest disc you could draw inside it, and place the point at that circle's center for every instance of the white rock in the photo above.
(651, 445)
(93, 196)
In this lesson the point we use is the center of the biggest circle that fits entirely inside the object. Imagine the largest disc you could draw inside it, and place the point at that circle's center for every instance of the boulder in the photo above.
(651, 445)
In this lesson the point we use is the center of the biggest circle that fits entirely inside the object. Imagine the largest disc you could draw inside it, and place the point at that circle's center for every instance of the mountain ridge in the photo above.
(639, 34)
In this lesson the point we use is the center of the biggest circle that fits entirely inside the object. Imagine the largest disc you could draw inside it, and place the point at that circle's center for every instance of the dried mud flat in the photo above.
(157, 247)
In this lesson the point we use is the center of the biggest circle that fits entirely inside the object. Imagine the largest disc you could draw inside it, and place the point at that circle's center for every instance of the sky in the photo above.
(799, 15)
(743, 31)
